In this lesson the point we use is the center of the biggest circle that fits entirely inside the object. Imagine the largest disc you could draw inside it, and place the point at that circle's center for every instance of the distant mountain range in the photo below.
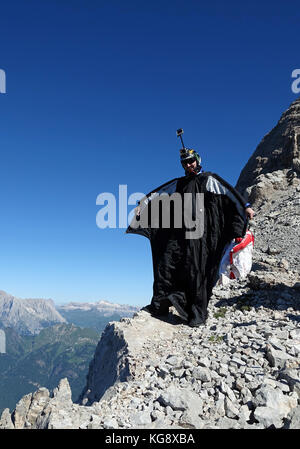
(30, 316)
(42, 343)
(105, 307)
(95, 315)
(27, 316)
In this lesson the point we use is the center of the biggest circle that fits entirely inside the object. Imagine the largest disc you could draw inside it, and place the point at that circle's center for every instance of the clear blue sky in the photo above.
(95, 91)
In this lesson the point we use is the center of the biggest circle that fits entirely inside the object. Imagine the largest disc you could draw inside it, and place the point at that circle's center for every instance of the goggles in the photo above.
(190, 160)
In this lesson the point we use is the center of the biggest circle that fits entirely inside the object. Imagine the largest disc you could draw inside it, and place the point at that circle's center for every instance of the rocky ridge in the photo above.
(271, 182)
(277, 231)
(239, 371)
(275, 164)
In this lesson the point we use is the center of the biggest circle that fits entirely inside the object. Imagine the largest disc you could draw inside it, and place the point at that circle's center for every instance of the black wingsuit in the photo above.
(186, 269)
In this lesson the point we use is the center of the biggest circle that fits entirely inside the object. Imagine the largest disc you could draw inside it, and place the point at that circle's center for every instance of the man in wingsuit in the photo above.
(186, 262)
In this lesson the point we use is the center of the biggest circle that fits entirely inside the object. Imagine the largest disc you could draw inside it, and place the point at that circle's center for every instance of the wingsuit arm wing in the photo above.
(140, 226)
(234, 204)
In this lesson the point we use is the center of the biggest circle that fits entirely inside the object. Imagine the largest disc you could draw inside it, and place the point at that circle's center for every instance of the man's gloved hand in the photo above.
(249, 213)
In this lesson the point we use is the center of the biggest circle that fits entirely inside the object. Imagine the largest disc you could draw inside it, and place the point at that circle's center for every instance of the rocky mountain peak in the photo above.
(275, 164)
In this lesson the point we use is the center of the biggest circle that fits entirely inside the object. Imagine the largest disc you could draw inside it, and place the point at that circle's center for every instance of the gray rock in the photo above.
(175, 361)
(231, 409)
(292, 377)
(268, 417)
(201, 373)
(227, 391)
(181, 399)
(276, 357)
(191, 419)
(227, 423)
(219, 409)
(205, 362)
(19, 416)
(5, 420)
(268, 397)
(293, 419)
(39, 400)
(244, 413)
(295, 334)
(62, 393)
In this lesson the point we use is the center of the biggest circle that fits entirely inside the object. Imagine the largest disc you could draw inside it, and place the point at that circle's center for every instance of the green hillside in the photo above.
(30, 362)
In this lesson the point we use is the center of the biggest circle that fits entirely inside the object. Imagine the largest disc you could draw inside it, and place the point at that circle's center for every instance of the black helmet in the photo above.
(189, 153)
